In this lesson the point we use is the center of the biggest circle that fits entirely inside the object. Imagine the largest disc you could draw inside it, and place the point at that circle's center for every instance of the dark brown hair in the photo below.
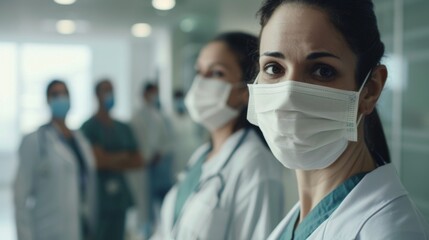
(356, 21)
(246, 49)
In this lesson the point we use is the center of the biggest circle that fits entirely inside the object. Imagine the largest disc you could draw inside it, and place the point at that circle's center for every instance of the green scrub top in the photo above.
(192, 179)
(188, 185)
(112, 190)
(321, 212)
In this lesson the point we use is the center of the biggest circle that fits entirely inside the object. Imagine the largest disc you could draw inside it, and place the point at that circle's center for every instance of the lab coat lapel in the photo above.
(379, 187)
(215, 165)
(59, 145)
(278, 231)
(86, 151)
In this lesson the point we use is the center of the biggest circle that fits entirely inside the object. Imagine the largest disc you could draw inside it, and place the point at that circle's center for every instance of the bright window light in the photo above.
(65, 2)
(141, 30)
(66, 26)
(163, 4)
(40, 63)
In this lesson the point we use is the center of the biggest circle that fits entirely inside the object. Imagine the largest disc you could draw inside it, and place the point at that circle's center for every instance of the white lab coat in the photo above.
(250, 205)
(377, 208)
(46, 191)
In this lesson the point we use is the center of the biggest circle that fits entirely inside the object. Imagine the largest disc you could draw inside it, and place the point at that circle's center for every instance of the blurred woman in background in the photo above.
(232, 188)
(54, 189)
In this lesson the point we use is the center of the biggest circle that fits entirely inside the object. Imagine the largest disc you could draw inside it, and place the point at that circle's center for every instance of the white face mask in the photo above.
(306, 126)
(206, 102)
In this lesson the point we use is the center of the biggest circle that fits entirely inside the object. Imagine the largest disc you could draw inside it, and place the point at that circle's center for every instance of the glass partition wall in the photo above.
(404, 106)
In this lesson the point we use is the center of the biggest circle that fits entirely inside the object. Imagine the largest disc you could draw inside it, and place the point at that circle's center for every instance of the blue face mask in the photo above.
(109, 101)
(59, 107)
(179, 104)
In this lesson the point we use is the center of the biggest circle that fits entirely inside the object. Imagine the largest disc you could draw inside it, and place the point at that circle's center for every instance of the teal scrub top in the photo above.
(189, 184)
(192, 178)
(321, 212)
(113, 192)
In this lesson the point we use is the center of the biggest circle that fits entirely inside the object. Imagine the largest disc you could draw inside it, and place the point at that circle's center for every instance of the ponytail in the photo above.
(375, 139)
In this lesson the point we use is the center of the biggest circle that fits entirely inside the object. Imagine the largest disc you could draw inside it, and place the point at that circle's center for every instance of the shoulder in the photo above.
(137, 115)
(198, 153)
(254, 162)
(88, 124)
(400, 219)
(121, 124)
(36, 135)
(380, 208)
(31, 142)
(30, 138)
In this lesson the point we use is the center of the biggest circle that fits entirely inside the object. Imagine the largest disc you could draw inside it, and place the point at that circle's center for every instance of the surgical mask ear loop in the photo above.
(359, 92)
(256, 80)
(364, 82)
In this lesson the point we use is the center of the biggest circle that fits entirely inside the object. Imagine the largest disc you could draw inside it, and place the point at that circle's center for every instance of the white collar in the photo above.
(217, 162)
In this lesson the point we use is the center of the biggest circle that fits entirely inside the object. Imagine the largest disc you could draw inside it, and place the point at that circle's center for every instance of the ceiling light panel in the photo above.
(65, 2)
(163, 4)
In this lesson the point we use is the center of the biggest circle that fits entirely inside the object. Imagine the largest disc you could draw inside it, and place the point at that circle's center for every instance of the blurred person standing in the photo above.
(116, 152)
(154, 137)
(54, 189)
(232, 187)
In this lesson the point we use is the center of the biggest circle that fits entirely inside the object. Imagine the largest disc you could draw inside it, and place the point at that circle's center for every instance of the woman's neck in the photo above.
(314, 185)
(103, 116)
(61, 127)
(219, 137)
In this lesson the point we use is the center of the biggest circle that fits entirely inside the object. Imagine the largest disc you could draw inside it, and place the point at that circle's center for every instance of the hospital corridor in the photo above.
(220, 120)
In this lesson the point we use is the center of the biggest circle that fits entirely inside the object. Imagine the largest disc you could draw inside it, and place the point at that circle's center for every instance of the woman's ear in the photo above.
(372, 89)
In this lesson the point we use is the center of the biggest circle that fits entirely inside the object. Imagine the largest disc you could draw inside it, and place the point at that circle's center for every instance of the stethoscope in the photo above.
(218, 174)
(215, 176)
(41, 135)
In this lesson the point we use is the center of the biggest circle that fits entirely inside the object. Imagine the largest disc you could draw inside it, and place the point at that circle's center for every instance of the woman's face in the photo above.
(106, 88)
(299, 43)
(58, 90)
(216, 61)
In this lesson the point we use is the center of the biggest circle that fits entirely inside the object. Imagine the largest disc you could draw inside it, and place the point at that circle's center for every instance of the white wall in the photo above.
(111, 59)
(234, 15)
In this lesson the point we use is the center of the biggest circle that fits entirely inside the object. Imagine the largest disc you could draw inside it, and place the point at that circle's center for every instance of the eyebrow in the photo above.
(274, 54)
(213, 65)
(311, 56)
(316, 55)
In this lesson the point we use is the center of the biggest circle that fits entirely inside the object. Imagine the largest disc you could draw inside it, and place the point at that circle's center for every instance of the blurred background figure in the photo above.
(55, 185)
(155, 136)
(233, 186)
(116, 152)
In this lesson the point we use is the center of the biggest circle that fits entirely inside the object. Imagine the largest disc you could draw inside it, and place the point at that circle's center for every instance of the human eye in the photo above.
(273, 69)
(217, 74)
(324, 72)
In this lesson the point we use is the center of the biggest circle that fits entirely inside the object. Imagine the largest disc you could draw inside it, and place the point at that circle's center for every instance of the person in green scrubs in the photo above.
(115, 150)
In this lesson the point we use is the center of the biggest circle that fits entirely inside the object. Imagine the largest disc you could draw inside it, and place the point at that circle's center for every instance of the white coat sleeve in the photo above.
(258, 211)
(28, 153)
